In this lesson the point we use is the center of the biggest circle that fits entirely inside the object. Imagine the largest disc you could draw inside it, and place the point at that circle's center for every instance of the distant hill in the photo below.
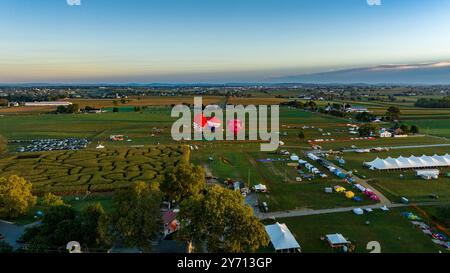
(429, 73)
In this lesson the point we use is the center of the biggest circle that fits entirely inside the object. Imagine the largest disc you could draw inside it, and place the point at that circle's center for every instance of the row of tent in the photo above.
(401, 162)
(311, 168)
(332, 169)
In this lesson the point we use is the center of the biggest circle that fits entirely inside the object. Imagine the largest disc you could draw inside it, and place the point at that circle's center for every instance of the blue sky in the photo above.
(213, 40)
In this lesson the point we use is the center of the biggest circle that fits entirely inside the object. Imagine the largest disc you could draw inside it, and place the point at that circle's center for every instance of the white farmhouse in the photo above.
(385, 133)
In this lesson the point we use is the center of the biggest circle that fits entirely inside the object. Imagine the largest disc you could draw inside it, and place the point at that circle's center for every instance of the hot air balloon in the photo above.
(199, 121)
(214, 123)
(235, 125)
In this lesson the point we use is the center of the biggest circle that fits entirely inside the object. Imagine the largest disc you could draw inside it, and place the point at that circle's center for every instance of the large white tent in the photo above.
(409, 162)
(281, 237)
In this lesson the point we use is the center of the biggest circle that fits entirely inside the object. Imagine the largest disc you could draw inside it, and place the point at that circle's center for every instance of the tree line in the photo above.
(433, 103)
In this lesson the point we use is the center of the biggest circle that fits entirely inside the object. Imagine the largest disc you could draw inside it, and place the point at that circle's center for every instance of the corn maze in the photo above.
(70, 172)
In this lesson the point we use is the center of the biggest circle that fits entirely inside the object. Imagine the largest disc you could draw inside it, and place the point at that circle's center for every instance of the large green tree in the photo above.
(393, 113)
(58, 227)
(5, 247)
(368, 129)
(414, 129)
(136, 218)
(51, 200)
(220, 220)
(364, 117)
(89, 221)
(16, 197)
(183, 181)
(62, 224)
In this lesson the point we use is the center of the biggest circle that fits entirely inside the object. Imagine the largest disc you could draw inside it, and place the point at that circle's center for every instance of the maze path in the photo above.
(106, 170)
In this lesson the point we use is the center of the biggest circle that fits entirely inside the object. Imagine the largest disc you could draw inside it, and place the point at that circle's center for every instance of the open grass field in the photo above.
(347, 143)
(410, 186)
(439, 126)
(394, 233)
(70, 172)
(256, 101)
(147, 101)
(240, 163)
(139, 127)
(27, 110)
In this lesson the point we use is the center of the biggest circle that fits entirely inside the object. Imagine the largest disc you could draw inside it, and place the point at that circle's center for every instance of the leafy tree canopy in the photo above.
(136, 218)
(183, 181)
(220, 220)
(16, 197)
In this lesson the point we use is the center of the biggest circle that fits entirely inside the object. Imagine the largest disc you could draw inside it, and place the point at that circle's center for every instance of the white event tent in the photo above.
(282, 238)
(411, 162)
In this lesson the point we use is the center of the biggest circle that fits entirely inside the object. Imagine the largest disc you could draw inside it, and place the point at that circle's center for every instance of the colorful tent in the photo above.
(349, 194)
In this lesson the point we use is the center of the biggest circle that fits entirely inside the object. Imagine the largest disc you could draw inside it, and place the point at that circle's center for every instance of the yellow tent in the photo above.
(340, 189)
(349, 194)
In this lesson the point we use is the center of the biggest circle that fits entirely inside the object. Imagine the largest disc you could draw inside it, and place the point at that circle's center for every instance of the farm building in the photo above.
(116, 137)
(356, 109)
(385, 133)
(48, 103)
(411, 162)
(282, 238)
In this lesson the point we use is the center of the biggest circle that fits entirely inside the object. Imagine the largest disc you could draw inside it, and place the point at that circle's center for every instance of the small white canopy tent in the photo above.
(313, 156)
(260, 187)
(336, 240)
(358, 211)
(282, 238)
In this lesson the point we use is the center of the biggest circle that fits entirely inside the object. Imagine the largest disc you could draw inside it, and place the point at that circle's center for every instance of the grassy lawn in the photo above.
(55, 171)
(436, 126)
(240, 163)
(384, 142)
(80, 204)
(395, 233)
(97, 127)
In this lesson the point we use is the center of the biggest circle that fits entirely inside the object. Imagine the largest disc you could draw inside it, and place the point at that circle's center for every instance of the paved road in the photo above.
(13, 232)
(306, 212)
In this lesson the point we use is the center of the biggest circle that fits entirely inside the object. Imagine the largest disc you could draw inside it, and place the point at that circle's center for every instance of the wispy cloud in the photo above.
(74, 2)
(374, 2)
(409, 66)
